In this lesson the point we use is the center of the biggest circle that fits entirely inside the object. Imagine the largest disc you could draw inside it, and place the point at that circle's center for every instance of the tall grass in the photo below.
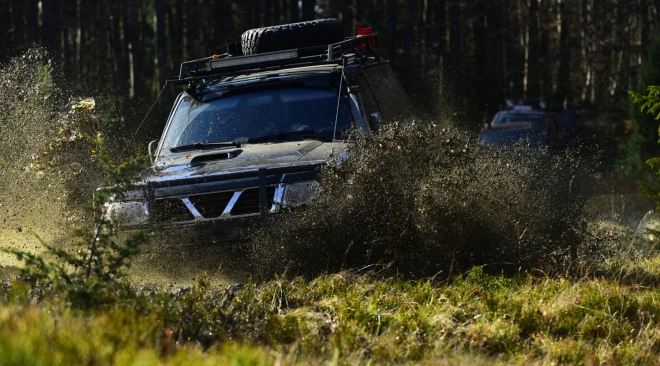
(344, 318)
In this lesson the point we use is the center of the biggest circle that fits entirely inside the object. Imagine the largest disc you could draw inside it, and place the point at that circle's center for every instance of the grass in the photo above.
(344, 318)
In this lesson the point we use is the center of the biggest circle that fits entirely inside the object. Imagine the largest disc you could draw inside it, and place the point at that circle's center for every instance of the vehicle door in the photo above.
(383, 97)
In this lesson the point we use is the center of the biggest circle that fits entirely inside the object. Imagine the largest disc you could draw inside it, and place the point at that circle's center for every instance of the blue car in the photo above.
(508, 127)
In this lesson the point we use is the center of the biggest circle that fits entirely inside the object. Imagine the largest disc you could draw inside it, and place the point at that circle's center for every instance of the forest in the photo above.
(419, 244)
(451, 55)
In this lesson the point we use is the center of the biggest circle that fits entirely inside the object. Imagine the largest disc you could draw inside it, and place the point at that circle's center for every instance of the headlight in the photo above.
(296, 194)
(128, 213)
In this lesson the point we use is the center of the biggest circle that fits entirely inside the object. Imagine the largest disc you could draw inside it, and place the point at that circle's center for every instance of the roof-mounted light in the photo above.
(254, 59)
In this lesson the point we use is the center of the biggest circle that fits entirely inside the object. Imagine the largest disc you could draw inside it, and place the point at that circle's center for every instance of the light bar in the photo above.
(255, 59)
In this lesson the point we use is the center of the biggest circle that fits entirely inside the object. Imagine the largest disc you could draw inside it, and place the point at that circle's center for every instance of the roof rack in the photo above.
(353, 49)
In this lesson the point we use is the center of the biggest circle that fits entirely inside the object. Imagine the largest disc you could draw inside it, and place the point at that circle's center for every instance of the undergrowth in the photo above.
(344, 318)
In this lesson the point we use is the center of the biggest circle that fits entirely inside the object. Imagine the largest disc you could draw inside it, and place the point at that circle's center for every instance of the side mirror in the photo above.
(375, 119)
(152, 149)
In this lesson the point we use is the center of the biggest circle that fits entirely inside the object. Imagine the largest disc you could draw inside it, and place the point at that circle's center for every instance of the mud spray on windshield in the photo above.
(417, 199)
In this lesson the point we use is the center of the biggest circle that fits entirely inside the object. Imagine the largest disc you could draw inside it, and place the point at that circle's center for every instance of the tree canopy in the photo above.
(449, 53)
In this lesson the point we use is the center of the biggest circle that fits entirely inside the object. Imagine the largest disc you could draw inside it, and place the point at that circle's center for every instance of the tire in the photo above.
(290, 36)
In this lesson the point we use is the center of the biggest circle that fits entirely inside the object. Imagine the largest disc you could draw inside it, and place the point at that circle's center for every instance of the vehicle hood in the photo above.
(197, 163)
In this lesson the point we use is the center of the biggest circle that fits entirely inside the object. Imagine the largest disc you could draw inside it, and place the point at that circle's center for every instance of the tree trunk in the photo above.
(32, 20)
(439, 34)
(427, 34)
(564, 72)
(221, 17)
(161, 51)
(18, 22)
(308, 9)
(268, 12)
(5, 28)
(115, 47)
(409, 27)
(378, 16)
(277, 12)
(546, 87)
(452, 70)
(391, 27)
(62, 33)
(481, 57)
(173, 37)
(347, 17)
(293, 11)
(585, 17)
(532, 68)
(133, 40)
(644, 24)
(78, 36)
(182, 15)
(145, 69)
(99, 70)
(256, 13)
(497, 54)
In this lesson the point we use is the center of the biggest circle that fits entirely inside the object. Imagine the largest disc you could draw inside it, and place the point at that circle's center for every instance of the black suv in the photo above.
(247, 136)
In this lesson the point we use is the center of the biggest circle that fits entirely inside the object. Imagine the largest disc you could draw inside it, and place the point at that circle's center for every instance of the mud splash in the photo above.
(31, 201)
(423, 200)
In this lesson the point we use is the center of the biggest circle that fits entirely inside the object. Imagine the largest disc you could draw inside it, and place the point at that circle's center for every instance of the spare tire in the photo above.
(289, 36)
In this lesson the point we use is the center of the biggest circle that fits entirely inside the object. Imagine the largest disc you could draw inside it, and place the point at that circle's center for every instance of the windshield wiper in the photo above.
(304, 134)
(205, 145)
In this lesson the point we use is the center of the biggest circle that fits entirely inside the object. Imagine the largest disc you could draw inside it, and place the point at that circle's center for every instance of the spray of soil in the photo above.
(423, 200)
(31, 200)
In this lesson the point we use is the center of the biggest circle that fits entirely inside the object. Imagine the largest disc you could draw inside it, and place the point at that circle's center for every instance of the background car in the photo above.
(536, 127)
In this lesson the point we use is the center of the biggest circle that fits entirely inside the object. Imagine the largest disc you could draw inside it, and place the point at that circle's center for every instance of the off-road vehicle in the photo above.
(248, 135)
(536, 127)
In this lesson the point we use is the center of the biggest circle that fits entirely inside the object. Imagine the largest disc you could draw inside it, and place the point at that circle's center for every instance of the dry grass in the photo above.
(344, 318)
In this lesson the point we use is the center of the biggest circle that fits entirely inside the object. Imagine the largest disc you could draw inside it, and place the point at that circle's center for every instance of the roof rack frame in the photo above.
(227, 64)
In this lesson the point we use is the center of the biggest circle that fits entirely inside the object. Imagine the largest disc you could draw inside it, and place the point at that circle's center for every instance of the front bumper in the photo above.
(223, 204)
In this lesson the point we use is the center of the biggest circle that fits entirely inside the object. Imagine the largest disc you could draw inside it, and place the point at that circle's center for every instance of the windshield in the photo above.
(519, 120)
(251, 113)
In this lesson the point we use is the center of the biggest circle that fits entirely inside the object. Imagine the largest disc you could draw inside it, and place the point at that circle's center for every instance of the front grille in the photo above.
(211, 205)
(248, 202)
(170, 210)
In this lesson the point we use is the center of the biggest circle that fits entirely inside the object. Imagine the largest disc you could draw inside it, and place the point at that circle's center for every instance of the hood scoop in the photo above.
(225, 155)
